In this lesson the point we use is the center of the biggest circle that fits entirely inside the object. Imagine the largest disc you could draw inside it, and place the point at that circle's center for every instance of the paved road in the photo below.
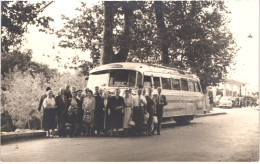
(230, 137)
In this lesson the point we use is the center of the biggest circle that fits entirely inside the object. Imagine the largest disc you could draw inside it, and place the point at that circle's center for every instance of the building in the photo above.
(230, 88)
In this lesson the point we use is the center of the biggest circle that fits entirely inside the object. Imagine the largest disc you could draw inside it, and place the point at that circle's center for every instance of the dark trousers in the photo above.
(138, 118)
(149, 123)
(159, 114)
(76, 130)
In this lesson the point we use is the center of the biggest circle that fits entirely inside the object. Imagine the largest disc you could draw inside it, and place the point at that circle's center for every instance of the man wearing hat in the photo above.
(160, 103)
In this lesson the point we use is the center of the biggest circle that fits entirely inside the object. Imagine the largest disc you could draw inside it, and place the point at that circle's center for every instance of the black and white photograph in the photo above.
(129, 81)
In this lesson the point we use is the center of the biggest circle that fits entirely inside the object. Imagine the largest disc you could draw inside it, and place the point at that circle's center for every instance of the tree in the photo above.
(188, 35)
(162, 31)
(15, 18)
(24, 89)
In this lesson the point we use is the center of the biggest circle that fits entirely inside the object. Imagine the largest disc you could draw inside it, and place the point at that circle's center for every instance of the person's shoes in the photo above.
(159, 133)
(152, 132)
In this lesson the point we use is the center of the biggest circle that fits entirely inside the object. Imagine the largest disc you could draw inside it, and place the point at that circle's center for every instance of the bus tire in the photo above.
(182, 120)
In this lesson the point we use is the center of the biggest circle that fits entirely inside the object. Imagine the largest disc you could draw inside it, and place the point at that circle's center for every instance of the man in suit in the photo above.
(62, 105)
(160, 103)
(67, 92)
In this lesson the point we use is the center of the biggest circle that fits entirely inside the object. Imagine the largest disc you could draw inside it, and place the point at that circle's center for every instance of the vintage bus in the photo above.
(181, 88)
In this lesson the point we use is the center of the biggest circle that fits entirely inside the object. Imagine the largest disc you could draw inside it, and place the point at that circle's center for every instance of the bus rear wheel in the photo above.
(183, 120)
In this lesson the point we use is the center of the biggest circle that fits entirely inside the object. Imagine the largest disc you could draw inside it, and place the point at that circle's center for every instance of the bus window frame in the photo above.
(176, 78)
(159, 81)
(192, 81)
(187, 84)
(151, 78)
(165, 77)
(200, 89)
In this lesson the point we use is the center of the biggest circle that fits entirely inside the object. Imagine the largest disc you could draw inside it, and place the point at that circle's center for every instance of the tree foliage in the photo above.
(15, 18)
(23, 91)
(185, 34)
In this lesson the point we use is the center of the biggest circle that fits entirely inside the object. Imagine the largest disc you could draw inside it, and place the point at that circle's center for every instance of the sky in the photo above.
(244, 21)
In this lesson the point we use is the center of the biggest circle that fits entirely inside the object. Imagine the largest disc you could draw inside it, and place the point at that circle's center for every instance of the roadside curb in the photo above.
(210, 114)
(6, 138)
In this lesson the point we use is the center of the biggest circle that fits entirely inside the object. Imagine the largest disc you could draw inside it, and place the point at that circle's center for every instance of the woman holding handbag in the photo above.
(88, 107)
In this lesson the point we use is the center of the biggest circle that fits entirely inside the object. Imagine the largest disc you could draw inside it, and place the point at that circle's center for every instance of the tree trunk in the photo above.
(121, 56)
(106, 56)
(162, 32)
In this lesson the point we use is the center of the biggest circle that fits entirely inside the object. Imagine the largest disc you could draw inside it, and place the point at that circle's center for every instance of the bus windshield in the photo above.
(112, 78)
(98, 79)
(122, 78)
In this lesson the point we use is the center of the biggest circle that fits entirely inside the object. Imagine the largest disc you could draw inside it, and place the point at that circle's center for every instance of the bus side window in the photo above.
(147, 81)
(191, 86)
(197, 87)
(139, 78)
(176, 84)
(184, 85)
(156, 81)
(131, 78)
(166, 83)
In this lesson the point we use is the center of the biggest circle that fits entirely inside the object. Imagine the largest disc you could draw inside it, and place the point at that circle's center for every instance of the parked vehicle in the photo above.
(235, 101)
(181, 88)
(225, 101)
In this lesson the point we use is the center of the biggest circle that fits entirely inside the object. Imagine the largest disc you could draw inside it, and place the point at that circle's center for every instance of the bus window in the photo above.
(191, 86)
(156, 82)
(166, 83)
(184, 85)
(122, 78)
(139, 78)
(197, 87)
(147, 81)
(176, 84)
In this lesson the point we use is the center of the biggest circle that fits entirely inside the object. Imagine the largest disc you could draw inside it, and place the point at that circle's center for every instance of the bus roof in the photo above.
(144, 67)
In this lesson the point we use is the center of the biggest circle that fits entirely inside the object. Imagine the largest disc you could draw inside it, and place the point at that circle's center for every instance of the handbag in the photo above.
(146, 117)
(155, 120)
(131, 123)
(87, 118)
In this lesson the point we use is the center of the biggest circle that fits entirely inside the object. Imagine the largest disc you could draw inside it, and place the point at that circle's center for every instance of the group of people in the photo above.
(74, 112)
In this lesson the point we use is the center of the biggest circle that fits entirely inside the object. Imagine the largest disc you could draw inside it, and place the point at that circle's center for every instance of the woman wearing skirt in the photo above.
(49, 112)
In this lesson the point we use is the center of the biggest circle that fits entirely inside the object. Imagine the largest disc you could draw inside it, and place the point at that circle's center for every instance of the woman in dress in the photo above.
(49, 111)
(117, 105)
(128, 110)
(88, 107)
